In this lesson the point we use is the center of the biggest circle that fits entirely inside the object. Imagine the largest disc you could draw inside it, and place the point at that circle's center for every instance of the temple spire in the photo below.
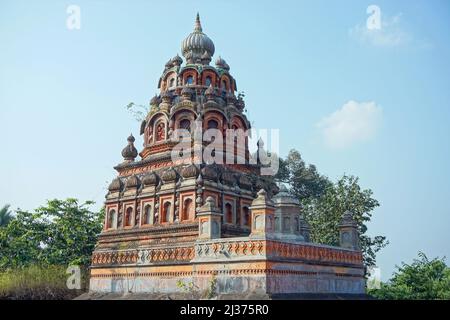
(196, 43)
(198, 25)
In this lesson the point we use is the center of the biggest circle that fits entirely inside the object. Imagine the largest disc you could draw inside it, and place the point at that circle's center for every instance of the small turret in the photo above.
(129, 153)
(348, 232)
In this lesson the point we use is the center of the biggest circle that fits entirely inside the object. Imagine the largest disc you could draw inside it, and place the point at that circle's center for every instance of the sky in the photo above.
(354, 97)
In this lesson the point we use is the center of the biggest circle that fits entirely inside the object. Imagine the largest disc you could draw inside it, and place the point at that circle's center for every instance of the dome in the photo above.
(284, 197)
(222, 64)
(150, 179)
(132, 182)
(228, 178)
(115, 185)
(176, 61)
(190, 171)
(197, 42)
(130, 152)
(169, 175)
(209, 172)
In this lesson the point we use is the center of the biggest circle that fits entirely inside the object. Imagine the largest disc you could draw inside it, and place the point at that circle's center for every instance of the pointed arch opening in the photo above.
(111, 219)
(147, 214)
(187, 208)
(166, 212)
(246, 216)
(228, 213)
(128, 215)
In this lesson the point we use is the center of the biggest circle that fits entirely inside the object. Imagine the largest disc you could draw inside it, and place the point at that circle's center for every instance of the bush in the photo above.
(423, 279)
(37, 283)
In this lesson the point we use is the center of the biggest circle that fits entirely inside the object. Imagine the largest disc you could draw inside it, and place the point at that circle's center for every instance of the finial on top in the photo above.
(196, 43)
(129, 153)
(198, 25)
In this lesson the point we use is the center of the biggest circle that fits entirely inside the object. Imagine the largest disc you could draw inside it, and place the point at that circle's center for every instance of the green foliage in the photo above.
(306, 183)
(211, 291)
(325, 213)
(34, 282)
(138, 111)
(5, 216)
(324, 203)
(60, 233)
(423, 279)
(193, 291)
(189, 289)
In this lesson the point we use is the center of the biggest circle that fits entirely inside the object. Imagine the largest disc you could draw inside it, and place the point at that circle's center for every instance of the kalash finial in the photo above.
(198, 25)
(196, 43)
(129, 153)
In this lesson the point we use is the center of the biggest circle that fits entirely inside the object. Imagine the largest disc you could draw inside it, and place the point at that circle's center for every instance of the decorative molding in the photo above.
(234, 272)
(144, 256)
(239, 248)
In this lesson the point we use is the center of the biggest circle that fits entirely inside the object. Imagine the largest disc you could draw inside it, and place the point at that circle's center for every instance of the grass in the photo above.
(37, 283)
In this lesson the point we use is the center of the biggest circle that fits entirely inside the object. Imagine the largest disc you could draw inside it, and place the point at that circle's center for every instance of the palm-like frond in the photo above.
(5, 215)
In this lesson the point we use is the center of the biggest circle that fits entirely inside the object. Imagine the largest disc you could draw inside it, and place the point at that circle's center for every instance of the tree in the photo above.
(61, 233)
(423, 279)
(20, 240)
(72, 235)
(324, 203)
(305, 181)
(325, 213)
(5, 215)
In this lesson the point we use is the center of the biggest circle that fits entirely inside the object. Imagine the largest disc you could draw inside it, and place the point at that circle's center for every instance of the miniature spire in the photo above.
(129, 153)
(198, 25)
(196, 43)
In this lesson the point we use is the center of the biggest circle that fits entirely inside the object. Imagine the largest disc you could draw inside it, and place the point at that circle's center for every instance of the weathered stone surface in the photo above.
(235, 265)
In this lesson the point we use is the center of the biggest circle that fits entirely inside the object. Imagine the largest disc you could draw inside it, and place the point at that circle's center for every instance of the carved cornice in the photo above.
(150, 230)
(145, 256)
(234, 249)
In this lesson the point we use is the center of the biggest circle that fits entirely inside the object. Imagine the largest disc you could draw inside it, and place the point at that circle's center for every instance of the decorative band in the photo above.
(222, 272)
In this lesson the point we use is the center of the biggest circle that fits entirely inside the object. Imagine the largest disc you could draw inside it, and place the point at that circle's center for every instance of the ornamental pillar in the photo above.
(348, 232)
(262, 215)
(209, 217)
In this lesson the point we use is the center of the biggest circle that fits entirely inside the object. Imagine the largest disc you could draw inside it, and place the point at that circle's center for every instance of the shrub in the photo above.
(37, 283)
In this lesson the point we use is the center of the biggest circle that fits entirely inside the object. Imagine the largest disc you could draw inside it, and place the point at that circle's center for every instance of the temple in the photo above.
(173, 224)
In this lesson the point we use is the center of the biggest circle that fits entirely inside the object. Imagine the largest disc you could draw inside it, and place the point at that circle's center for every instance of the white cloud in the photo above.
(389, 35)
(354, 122)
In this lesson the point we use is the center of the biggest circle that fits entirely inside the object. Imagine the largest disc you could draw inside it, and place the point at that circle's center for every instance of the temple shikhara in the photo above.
(172, 225)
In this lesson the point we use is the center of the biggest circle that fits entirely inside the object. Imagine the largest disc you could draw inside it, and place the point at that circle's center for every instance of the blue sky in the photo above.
(372, 104)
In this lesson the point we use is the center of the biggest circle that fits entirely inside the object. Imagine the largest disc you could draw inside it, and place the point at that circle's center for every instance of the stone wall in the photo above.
(231, 266)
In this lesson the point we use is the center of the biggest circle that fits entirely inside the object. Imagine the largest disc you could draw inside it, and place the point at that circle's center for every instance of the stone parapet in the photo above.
(231, 249)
